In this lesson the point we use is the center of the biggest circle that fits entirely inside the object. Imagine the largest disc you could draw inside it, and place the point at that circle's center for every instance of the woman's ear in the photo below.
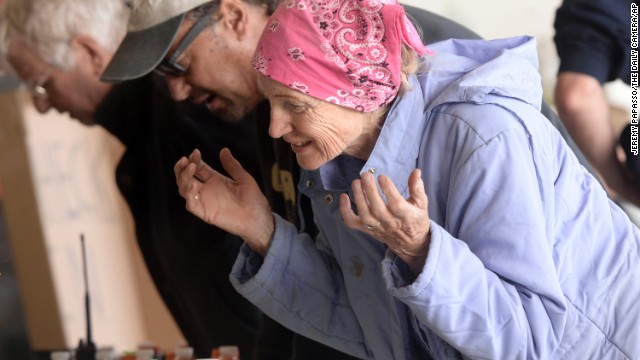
(88, 48)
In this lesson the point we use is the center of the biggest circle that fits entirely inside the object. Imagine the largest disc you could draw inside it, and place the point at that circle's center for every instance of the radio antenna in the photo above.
(86, 351)
(87, 301)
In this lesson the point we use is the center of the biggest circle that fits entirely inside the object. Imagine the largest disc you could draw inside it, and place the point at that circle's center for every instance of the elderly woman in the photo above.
(454, 220)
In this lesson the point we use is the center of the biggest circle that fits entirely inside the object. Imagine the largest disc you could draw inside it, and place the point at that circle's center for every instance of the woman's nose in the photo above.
(279, 124)
(179, 88)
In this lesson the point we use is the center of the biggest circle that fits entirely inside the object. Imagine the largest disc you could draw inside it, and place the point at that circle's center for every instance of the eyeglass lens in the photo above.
(171, 67)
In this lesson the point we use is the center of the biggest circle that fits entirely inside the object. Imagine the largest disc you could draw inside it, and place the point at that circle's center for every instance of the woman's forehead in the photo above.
(270, 87)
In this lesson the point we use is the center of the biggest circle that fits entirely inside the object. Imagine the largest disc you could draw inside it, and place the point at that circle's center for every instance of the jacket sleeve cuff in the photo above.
(400, 281)
(251, 270)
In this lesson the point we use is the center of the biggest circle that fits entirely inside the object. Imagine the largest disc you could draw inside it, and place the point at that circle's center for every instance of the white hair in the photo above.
(5, 67)
(50, 25)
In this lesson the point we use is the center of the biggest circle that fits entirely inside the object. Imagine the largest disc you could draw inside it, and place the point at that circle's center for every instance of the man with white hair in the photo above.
(59, 48)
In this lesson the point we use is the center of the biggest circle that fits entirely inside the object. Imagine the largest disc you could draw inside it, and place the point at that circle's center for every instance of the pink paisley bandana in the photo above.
(345, 52)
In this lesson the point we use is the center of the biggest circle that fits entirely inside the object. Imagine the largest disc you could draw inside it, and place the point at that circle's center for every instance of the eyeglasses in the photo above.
(37, 88)
(170, 66)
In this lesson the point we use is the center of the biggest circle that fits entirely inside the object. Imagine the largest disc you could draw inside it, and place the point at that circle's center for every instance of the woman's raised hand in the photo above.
(234, 204)
(402, 224)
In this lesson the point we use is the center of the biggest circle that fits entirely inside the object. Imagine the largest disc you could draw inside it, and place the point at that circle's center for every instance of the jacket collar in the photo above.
(396, 151)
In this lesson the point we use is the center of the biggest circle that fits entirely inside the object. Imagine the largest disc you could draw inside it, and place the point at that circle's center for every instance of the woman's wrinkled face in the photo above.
(318, 131)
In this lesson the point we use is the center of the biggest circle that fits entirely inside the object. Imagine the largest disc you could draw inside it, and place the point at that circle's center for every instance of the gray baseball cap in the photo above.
(152, 27)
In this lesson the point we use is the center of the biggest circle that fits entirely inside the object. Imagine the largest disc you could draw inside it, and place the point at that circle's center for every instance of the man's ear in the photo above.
(234, 15)
(87, 46)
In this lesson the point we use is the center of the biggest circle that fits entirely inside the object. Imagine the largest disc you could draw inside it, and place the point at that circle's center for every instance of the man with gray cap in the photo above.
(203, 48)
(207, 46)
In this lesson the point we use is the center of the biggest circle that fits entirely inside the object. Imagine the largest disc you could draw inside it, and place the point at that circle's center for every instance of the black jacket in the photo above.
(593, 37)
(188, 259)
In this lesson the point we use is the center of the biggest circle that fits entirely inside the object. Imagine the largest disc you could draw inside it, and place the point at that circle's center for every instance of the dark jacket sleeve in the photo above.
(593, 37)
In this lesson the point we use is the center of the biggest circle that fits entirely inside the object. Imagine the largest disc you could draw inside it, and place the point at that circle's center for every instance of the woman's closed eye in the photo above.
(295, 107)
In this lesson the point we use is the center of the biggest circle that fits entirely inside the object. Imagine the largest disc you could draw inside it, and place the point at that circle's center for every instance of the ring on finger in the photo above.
(372, 227)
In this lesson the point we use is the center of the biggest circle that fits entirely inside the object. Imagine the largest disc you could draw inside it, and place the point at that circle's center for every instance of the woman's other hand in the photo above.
(402, 224)
(234, 204)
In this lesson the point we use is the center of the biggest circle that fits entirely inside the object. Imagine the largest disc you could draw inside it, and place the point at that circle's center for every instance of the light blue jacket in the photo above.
(528, 259)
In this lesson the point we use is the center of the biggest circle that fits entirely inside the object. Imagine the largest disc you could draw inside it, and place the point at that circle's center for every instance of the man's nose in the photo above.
(42, 103)
(179, 88)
